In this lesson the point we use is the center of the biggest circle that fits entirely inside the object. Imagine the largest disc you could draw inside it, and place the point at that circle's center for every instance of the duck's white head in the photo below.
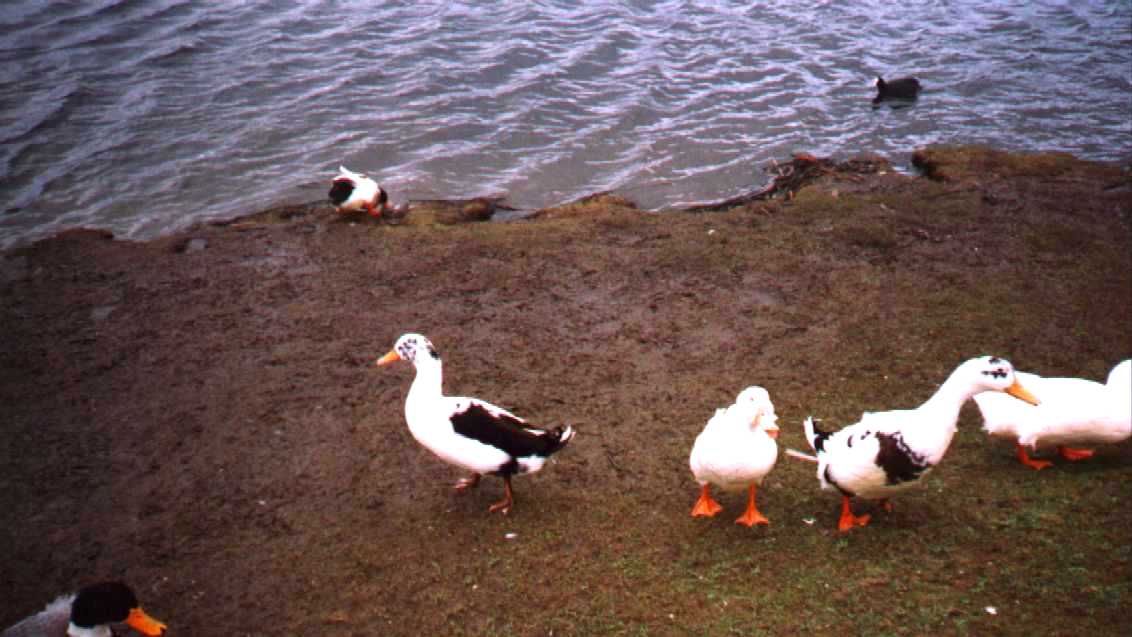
(754, 406)
(991, 373)
(98, 605)
(414, 348)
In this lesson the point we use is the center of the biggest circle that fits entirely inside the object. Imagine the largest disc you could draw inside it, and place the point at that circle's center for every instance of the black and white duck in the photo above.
(468, 432)
(353, 192)
(887, 452)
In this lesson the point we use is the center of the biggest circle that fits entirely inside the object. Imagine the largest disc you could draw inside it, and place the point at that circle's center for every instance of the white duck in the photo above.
(735, 451)
(889, 451)
(89, 613)
(1074, 411)
(351, 192)
(468, 432)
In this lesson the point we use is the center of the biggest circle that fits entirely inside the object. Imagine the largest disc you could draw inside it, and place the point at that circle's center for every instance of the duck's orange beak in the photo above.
(144, 624)
(1018, 391)
(771, 430)
(389, 358)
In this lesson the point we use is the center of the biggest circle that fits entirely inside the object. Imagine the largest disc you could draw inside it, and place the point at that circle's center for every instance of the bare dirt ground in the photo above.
(201, 416)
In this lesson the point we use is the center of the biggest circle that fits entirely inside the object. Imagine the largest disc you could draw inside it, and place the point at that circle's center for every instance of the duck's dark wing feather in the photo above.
(900, 463)
(501, 429)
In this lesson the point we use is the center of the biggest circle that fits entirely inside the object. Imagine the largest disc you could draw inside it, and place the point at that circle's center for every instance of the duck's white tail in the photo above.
(816, 437)
(346, 172)
(564, 434)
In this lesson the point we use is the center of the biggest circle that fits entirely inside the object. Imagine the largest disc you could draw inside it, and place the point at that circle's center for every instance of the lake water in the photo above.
(143, 117)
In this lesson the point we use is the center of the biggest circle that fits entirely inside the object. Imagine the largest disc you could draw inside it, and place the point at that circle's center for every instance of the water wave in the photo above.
(146, 117)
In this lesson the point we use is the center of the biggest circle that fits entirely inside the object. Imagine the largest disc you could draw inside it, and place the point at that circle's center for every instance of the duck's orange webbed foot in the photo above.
(705, 506)
(848, 520)
(504, 505)
(752, 516)
(1070, 453)
(463, 484)
(1036, 465)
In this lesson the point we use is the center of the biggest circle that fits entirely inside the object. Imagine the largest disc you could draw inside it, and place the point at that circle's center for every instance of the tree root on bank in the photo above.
(802, 170)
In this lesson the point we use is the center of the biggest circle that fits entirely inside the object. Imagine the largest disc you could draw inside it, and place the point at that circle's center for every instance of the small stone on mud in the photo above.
(192, 245)
(102, 313)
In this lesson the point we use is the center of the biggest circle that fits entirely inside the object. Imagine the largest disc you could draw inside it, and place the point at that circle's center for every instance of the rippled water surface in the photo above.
(143, 117)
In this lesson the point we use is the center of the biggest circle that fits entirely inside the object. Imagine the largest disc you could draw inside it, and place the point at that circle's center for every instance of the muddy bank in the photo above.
(200, 414)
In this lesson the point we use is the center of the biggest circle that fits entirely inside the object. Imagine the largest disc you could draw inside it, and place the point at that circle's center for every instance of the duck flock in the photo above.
(881, 455)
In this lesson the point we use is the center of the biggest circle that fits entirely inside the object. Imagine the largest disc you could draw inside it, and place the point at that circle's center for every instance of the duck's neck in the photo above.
(98, 631)
(942, 413)
(949, 398)
(427, 385)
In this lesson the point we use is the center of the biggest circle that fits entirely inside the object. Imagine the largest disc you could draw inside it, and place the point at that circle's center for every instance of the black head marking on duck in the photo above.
(410, 346)
(102, 603)
(340, 191)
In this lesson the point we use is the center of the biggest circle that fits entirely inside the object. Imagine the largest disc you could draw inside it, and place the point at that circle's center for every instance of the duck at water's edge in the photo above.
(352, 192)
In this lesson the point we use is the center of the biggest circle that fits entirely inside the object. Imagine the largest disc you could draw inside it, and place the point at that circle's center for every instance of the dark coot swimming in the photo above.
(905, 88)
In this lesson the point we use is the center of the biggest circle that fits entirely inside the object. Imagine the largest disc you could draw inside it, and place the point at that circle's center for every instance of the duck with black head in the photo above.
(89, 613)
